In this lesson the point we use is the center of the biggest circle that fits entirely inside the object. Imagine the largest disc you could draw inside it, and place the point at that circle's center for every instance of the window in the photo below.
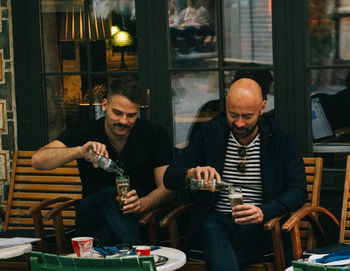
(211, 43)
(329, 63)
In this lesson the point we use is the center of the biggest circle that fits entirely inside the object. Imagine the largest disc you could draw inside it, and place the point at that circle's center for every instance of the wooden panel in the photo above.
(42, 196)
(48, 179)
(309, 170)
(48, 187)
(29, 203)
(310, 179)
(28, 162)
(24, 213)
(29, 221)
(57, 171)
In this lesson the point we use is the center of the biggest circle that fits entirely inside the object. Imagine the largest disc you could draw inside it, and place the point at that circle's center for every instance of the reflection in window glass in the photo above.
(330, 101)
(329, 33)
(247, 31)
(195, 100)
(322, 31)
(192, 32)
(109, 26)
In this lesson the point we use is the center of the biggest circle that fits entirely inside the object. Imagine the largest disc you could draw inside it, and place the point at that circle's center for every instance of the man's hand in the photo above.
(97, 147)
(206, 173)
(132, 204)
(247, 214)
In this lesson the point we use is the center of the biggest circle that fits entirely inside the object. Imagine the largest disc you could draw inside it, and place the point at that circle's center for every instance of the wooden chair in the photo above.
(311, 214)
(38, 194)
(32, 193)
(276, 261)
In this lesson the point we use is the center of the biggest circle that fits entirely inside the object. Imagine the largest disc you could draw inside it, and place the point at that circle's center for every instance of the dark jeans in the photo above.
(227, 245)
(99, 216)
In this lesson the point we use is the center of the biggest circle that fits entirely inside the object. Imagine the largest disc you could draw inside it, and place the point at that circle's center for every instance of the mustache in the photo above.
(121, 125)
(239, 128)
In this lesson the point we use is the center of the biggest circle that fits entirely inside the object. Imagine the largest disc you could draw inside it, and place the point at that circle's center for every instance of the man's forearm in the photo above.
(156, 198)
(52, 157)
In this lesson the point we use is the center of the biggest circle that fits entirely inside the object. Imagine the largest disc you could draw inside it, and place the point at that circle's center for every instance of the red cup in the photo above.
(143, 251)
(83, 246)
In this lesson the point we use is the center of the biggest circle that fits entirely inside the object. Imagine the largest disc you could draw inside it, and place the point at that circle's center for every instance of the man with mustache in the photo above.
(143, 149)
(247, 149)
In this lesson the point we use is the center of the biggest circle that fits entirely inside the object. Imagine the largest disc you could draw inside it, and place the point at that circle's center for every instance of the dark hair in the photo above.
(262, 77)
(126, 86)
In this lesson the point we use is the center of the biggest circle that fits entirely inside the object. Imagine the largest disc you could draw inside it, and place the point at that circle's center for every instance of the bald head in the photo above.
(244, 105)
(245, 88)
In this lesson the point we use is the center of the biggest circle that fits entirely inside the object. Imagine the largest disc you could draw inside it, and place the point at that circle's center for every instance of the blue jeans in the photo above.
(227, 245)
(99, 216)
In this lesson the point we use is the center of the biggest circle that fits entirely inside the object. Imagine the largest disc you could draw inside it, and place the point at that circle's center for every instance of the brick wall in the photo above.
(8, 136)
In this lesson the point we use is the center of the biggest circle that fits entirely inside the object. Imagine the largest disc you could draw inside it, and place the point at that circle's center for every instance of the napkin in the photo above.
(335, 256)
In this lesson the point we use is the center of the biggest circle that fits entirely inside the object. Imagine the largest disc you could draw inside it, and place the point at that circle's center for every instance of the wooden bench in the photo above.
(33, 193)
(42, 200)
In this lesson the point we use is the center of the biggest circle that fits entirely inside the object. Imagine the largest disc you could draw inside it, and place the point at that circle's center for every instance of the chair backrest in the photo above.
(29, 186)
(344, 236)
(43, 262)
(313, 171)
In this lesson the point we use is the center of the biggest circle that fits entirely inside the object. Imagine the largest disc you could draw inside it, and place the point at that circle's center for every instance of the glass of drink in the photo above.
(236, 197)
(123, 188)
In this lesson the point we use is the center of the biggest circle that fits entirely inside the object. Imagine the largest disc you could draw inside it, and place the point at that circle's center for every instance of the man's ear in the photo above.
(104, 104)
(263, 106)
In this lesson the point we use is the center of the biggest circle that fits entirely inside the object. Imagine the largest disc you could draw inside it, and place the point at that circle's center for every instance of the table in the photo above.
(15, 258)
(176, 258)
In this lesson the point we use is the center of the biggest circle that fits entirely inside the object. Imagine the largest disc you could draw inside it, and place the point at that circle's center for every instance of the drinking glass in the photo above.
(236, 197)
(123, 188)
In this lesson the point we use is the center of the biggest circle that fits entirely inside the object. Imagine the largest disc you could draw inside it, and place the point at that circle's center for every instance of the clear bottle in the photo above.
(105, 163)
(214, 186)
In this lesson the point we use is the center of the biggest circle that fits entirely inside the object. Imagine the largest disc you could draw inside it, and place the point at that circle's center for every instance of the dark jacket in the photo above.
(282, 167)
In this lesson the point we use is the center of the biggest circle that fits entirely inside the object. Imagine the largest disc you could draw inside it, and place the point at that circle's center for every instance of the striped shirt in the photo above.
(249, 180)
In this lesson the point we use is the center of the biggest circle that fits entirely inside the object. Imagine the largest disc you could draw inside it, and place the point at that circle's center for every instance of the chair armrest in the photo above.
(309, 214)
(35, 213)
(165, 221)
(150, 220)
(56, 215)
(36, 209)
(304, 213)
(156, 211)
(56, 211)
(170, 222)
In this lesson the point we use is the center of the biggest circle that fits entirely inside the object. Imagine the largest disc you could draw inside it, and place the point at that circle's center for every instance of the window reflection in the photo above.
(330, 105)
(195, 100)
(191, 32)
(329, 33)
(247, 31)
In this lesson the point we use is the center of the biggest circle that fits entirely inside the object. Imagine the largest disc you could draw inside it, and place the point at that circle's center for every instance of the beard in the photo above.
(243, 132)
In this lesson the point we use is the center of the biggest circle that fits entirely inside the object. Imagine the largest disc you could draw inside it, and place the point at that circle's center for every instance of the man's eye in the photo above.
(131, 115)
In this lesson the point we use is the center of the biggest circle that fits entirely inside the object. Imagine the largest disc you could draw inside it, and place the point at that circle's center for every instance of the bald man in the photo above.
(247, 149)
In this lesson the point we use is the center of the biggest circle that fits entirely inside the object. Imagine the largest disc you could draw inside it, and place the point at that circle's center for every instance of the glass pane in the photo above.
(263, 77)
(329, 33)
(247, 31)
(192, 33)
(63, 96)
(330, 103)
(110, 27)
(195, 100)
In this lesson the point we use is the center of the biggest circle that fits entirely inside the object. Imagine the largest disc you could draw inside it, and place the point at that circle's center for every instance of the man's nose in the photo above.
(239, 123)
(123, 119)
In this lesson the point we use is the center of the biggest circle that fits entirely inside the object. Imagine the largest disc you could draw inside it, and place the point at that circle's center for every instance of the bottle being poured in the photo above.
(105, 163)
(214, 186)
